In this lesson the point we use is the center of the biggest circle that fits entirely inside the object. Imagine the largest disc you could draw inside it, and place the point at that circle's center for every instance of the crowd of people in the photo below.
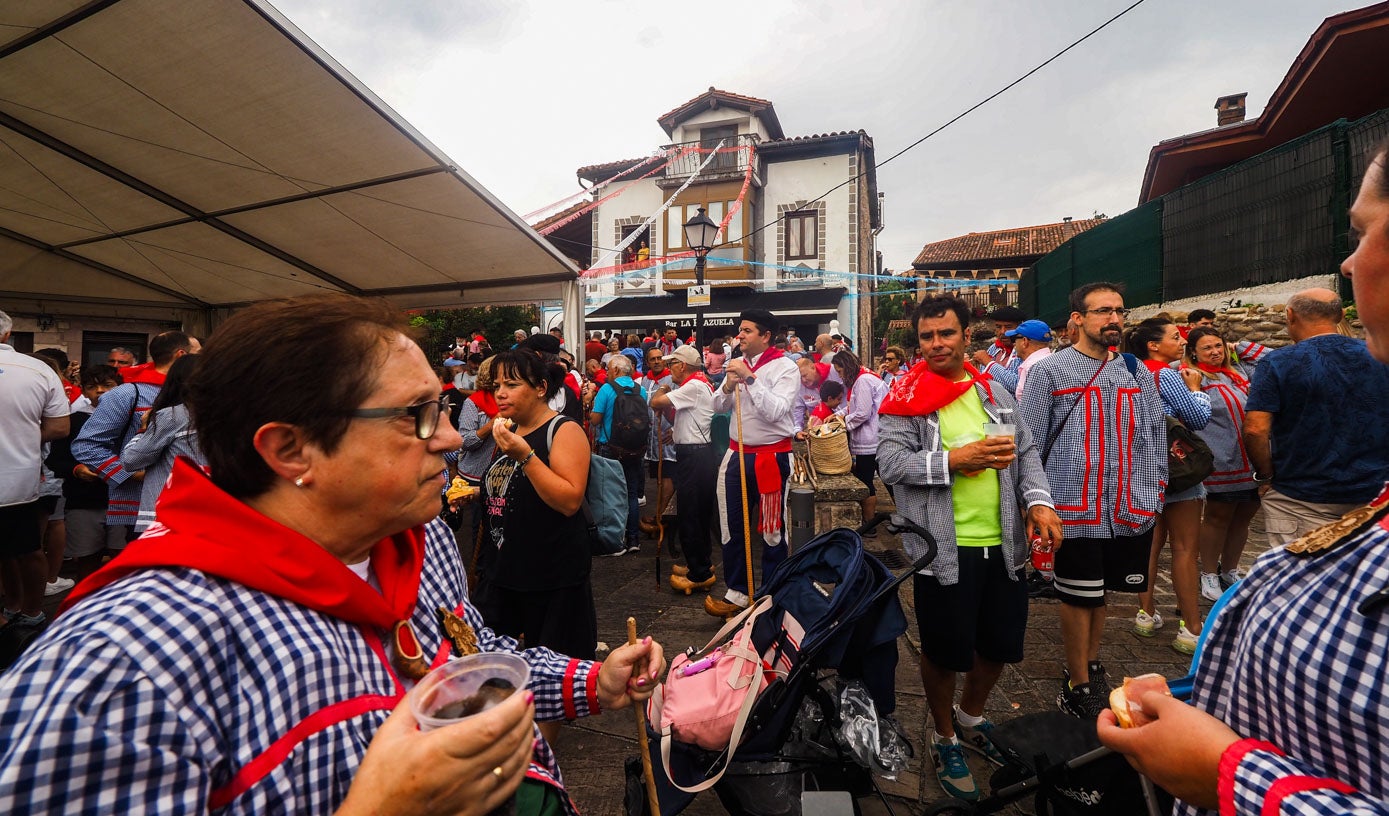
(291, 551)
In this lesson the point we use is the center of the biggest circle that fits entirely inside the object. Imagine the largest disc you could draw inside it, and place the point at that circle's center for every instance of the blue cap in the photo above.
(1032, 330)
(450, 362)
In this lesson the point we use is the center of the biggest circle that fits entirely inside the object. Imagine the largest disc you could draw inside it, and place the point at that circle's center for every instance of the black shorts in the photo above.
(1234, 496)
(985, 613)
(19, 531)
(1086, 567)
(562, 620)
(865, 467)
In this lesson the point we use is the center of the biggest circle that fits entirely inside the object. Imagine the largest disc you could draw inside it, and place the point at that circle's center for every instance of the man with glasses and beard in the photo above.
(1098, 418)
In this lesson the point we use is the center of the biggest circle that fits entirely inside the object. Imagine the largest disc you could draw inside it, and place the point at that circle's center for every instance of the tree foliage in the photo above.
(439, 328)
(894, 300)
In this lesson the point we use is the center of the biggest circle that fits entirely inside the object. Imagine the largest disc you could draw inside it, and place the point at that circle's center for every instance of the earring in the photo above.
(299, 482)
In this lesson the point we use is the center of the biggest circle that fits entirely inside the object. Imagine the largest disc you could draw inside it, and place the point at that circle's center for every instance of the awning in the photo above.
(176, 156)
(795, 306)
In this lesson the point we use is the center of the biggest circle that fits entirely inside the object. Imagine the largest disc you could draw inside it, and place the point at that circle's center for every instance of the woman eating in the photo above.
(894, 364)
(1232, 498)
(538, 580)
(1158, 343)
(251, 653)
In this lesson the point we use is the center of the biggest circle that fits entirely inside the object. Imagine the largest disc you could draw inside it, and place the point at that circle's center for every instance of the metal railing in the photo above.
(731, 158)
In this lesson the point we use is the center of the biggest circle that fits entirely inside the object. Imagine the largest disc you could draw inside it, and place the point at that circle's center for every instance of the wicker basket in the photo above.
(828, 445)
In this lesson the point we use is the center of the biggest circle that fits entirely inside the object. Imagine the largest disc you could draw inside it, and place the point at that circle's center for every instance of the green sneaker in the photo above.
(978, 738)
(952, 771)
(1184, 642)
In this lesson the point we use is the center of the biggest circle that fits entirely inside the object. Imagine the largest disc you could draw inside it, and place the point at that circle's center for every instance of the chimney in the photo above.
(1229, 110)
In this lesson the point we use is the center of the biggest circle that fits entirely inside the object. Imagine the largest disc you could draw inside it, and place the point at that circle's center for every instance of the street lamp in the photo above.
(699, 236)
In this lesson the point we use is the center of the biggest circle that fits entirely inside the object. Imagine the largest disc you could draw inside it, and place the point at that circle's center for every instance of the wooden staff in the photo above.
(660, 490)
(650, 775)
(743, 483)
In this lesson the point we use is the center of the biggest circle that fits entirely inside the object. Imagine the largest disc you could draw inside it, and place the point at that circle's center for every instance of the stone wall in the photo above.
(1258, 323)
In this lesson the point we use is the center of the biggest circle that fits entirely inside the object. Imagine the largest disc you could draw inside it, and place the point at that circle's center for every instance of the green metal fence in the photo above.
(1126, 249)
(1276, 216)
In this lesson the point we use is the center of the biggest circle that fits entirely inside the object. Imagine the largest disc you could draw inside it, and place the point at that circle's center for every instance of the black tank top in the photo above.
(535, 546)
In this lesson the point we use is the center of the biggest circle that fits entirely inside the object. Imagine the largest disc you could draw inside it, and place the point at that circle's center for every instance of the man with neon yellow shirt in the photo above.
(982, 498)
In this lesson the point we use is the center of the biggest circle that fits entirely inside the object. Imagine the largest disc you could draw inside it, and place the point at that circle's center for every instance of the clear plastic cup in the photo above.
(1007, 429)
(469, 685)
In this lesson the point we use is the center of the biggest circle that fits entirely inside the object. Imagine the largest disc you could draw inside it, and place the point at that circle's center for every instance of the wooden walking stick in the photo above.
(646, 770)
(743, 484)
(660, 507)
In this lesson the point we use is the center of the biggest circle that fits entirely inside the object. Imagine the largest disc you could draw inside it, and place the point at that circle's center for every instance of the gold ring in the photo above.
(497, 772)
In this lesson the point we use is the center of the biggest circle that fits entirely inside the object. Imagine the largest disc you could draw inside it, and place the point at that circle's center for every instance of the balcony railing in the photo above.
(732, 158)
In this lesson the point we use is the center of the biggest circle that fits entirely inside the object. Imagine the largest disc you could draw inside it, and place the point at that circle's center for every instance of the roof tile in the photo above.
(1006, 243)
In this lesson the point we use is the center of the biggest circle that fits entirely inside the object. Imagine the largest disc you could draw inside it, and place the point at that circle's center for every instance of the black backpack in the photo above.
(631, 425)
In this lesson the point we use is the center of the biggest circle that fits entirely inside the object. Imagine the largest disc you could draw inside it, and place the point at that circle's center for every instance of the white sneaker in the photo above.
(1184, 642)
(1145, 625)
(641, 501)
(58, 585)
(1229, 579)
(1210, 586)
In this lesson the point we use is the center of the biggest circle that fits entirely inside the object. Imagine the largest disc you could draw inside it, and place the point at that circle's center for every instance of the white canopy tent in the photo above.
(175, 159)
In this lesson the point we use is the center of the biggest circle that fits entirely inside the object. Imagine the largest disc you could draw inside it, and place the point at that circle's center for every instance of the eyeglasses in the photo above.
(1108, 311)
(426, 415)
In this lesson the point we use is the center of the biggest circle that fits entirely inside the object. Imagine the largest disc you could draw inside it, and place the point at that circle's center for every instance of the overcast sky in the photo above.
(521, 93)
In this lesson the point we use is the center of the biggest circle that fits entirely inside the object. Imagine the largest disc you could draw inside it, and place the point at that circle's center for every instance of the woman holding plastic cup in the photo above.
(252, 652)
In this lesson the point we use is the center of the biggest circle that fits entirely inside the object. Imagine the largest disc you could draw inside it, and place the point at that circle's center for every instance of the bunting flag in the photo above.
(616, 252)
(738, 202)
(570, 199)
(614, 194)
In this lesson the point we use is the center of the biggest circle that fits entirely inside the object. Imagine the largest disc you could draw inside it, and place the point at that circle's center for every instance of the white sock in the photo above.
(967, 719)
(939, 740)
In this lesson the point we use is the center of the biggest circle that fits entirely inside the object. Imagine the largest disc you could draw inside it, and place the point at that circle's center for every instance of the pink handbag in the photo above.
(706, 702)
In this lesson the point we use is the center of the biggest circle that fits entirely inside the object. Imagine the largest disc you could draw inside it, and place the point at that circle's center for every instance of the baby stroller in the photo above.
(846, 602)
(1058, 760)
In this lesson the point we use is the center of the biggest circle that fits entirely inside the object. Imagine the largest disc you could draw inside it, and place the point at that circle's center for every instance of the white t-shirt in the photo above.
(694, 411)
(29, 393)
(1023, 367)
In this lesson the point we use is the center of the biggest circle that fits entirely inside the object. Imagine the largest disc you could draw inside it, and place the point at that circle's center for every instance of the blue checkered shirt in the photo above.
(1294, 663)
(1193, 408)
(1108, 463)
(158, 692)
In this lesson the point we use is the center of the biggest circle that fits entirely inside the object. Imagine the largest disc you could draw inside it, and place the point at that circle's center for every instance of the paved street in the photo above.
(591, 751)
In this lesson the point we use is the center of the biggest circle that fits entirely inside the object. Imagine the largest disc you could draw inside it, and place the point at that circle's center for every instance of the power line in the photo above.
(976, 106)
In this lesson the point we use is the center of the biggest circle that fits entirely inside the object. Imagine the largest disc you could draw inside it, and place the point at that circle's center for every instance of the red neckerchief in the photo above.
(142, 373)
(73, 392)
(485, 401)
(1155, 367)
(1238, 379)
(822, 369)
(201, 527)
(863, 371)
(769, 355)
(654, 377)
(699, 376)
(921, 391)
(448, 386)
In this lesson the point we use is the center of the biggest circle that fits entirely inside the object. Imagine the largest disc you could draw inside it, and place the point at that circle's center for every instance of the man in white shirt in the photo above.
(695, 465)
(33, 410)
(1031, 343)
(762, 386)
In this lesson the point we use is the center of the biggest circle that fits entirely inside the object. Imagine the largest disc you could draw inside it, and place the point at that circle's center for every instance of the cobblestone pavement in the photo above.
(591, 751)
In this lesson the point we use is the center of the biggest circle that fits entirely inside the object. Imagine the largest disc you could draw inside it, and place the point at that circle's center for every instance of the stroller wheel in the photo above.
(950, 809)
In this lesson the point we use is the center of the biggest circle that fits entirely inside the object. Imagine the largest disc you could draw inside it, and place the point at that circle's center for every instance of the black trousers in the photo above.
(694, 474)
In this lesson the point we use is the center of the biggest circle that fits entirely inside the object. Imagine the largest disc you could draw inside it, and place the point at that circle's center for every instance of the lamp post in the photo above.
(699, 236)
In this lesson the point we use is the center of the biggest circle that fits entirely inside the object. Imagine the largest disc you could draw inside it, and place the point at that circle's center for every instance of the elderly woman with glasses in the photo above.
(251, 652)
(894, 364)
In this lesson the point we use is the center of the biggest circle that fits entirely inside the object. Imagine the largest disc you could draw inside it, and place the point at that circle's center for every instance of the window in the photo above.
(678, 214)
(802, 236)
(22, 342)
(96, 346)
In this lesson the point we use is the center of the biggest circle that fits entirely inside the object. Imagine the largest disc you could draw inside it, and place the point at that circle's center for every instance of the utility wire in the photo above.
(976, 106)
